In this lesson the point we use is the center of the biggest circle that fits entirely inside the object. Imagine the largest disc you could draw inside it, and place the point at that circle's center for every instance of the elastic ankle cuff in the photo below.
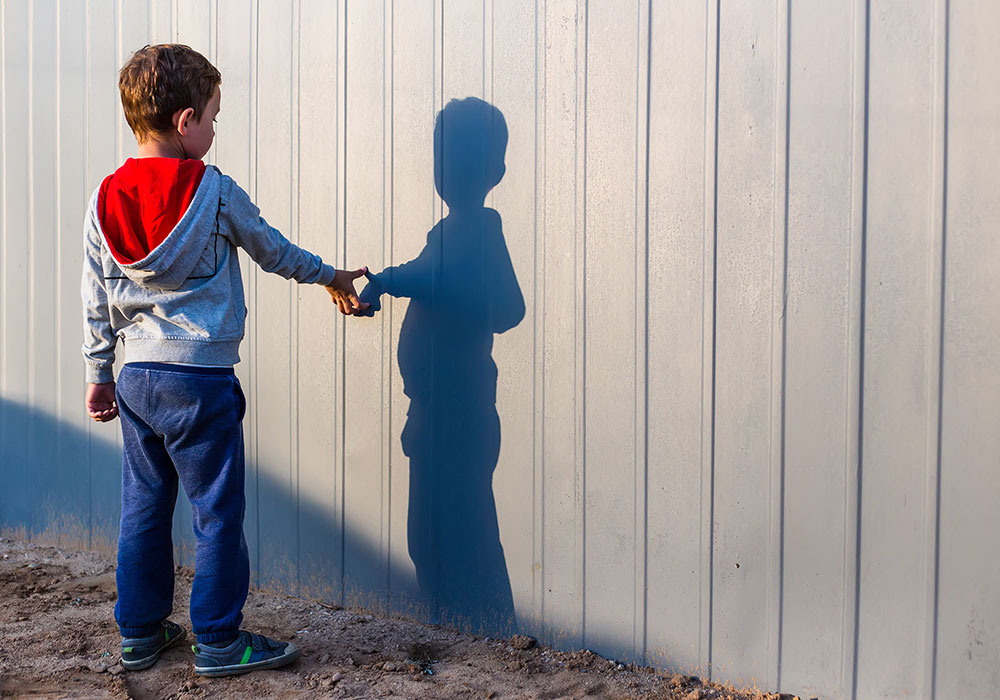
(214, 637)
(139, 632)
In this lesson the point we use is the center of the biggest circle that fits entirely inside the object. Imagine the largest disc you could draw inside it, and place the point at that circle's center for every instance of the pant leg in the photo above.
(204, 438)
(145, 575)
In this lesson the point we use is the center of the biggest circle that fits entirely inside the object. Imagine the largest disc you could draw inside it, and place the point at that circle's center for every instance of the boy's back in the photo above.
(161, 273)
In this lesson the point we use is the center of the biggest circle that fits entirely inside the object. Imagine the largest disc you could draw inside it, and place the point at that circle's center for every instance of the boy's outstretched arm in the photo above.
(274, 253)
(98, 337)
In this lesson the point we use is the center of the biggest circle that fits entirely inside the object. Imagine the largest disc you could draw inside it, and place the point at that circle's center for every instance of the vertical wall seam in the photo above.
(341, 343)
(645, 340)
(3, 217)
(538, 403)
(388, 52)
(861, 355)
(119, 48)
(59, 412)
(783, 383)
(254, 94)
(582, 331)
(852, 385)
(86, 169)
(942, 299)
(709, 287)
(295, 203)
(29, 277)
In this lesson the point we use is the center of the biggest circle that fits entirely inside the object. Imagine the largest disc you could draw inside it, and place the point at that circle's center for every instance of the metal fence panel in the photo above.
(747, 417)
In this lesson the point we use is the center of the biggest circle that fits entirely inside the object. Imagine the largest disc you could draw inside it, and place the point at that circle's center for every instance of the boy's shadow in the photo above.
(462, 290)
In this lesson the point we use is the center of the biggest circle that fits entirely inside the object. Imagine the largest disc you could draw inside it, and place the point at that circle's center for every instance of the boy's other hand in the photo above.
(343, 293)
(101, 404)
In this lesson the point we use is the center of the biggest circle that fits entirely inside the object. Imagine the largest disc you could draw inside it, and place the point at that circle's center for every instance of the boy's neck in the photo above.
(152, 148)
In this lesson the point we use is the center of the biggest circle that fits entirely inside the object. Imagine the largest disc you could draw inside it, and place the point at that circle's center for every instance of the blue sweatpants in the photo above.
(181, 423)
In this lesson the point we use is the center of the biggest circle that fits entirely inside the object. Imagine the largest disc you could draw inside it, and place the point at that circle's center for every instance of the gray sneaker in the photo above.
(249, 652)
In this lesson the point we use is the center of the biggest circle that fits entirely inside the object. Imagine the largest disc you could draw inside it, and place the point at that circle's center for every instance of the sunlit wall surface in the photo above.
(746, 424)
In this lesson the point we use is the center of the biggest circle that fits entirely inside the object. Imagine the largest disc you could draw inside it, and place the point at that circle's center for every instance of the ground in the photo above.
(58, 640)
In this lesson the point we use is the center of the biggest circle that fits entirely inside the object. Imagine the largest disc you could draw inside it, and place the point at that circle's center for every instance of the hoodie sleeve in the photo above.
(267, 247)
(98, 337)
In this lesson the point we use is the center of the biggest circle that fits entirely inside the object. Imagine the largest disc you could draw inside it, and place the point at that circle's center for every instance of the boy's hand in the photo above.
(101, 404)
(343, 293)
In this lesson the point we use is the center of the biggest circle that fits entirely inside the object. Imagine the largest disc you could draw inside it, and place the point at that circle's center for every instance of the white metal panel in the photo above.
(749, 266)
(365, 470)
(512, 88)
(610, 458)
(561, 278)
(967, 600)
(899, 347)
(717, 215)
(818, 409)
(677, 273)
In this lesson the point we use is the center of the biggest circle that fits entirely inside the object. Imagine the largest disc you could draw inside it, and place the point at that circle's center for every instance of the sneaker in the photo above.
(142, 652)
(249, 652)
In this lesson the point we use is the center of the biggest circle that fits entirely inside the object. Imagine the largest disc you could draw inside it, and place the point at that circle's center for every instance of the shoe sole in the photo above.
(140, 664)
(237, 669)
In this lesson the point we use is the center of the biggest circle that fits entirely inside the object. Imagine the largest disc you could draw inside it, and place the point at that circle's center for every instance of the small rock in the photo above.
(326, 683)
(325, 659)
(522, 641)
(693, 695)
(337, 677)
(116, 669)
(389, 666)
(620, 667)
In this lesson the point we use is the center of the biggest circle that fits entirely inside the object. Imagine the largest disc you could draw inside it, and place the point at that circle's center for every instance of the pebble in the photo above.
(115, 670)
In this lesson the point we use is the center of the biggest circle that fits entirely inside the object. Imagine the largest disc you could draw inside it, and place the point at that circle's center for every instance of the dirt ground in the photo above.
(58, 640)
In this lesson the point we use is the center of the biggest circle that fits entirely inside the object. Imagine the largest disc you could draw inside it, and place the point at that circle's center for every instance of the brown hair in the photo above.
(160, 80)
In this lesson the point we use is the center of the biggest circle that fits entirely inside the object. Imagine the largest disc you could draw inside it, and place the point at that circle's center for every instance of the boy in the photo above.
(161, 272)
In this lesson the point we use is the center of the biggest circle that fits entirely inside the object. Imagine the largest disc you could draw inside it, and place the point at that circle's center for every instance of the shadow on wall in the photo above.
(62, 486)
(61, 482)
(462, 290)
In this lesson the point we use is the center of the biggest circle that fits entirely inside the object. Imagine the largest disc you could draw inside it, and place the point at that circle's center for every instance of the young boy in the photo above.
(161, 273)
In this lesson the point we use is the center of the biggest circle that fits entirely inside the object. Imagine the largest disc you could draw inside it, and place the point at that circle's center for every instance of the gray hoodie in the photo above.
(183, 302)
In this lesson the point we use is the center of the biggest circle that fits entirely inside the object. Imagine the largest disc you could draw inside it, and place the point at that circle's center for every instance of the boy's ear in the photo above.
(182, 120)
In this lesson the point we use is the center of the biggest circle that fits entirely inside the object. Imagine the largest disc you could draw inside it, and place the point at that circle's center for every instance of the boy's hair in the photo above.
(160, 80)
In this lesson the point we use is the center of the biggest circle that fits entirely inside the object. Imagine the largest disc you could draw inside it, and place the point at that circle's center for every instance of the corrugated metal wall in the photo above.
(750, 418)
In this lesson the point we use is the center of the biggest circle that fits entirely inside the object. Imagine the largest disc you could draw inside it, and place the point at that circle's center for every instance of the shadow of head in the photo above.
(470, 143)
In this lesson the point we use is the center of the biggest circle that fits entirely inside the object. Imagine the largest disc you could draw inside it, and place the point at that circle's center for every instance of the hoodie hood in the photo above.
(157, 216)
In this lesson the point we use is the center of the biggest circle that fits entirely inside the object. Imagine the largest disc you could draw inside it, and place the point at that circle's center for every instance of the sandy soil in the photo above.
(58, 640)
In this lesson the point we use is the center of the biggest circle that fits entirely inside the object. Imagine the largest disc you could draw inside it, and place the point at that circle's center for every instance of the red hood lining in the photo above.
(141, 203)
